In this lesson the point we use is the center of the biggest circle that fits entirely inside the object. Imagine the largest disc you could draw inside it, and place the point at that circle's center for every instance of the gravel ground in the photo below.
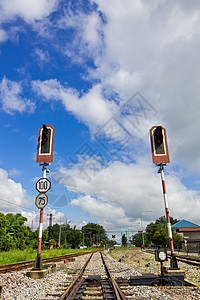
(131, 258)
(17, 286)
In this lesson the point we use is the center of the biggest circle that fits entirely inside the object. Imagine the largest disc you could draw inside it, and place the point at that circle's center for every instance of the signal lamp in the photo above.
(159, 141)
(45, 144)
(159, 148)
(161, 255)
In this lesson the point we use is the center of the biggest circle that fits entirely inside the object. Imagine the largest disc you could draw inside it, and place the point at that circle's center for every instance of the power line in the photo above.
(16, 204)
(121, 230)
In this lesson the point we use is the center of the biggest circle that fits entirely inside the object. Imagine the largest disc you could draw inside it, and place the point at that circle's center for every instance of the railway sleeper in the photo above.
(108, 293)
(95, 288)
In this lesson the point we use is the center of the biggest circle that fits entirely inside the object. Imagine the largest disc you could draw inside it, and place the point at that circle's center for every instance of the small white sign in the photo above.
(43, 185)
(41, 200)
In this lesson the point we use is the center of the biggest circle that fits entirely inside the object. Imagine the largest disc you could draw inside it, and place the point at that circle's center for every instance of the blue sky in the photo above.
(102, 73)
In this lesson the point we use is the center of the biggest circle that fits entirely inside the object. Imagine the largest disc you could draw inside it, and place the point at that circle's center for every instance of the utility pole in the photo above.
(142, 232)
(83, 238)
(50, 225)
(59, 239)
(146, 211)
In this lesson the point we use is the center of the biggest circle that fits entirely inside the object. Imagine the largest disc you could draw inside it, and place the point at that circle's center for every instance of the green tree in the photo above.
(124, 240)
(93, 234)
(160, 236)
(157, 232)
(33, 239)
(13, 232)
(75, 237)
(3, 227)
(138, 239)
(68, 236)
(18, 230)
(55, 230)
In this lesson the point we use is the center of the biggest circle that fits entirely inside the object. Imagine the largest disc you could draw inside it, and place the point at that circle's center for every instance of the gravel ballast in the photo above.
(17, 285)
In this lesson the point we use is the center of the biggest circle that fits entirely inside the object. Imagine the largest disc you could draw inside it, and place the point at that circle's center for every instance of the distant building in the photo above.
(190, 233)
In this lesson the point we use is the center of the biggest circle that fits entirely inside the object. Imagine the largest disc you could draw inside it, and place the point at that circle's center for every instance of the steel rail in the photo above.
(188, 261)
(75, 285)
(72, 290)
(118, 292)
(185, 259)
(188, 258)
(26, 264)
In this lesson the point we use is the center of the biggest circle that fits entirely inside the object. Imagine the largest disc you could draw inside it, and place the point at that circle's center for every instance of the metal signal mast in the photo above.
(44, 158)
(160, 156)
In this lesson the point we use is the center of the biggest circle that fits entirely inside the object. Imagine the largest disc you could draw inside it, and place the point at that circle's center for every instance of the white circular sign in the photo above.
(41, 200)
(43, 185)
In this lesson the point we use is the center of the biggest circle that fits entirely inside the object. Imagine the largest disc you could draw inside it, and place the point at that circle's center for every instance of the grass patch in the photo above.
(14, 256)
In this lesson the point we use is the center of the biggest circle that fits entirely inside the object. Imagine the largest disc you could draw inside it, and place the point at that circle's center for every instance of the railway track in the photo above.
(90, 283)
(186, 259)
(91, 277)
(99, 279)
(28, 264)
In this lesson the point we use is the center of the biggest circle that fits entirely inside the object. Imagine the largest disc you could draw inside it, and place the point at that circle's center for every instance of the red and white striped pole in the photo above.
(174, 264)
(38, 260)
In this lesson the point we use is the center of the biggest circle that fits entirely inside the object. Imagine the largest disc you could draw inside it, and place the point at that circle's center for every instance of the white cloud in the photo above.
(3, 35)
(41, 55)
(12, 194)
(87, 40)
(14, 172)
(151, 47)
(117, 195)
(146, 46)
(103, 212)
(91, 108)
(28, 10)
(10, 97)
(143, 46)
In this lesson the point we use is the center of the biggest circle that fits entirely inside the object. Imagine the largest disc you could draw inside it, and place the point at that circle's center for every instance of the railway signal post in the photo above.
(160, 156)
(44, 158)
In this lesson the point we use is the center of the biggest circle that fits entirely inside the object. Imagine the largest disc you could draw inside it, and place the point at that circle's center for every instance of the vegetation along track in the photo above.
(27, 264)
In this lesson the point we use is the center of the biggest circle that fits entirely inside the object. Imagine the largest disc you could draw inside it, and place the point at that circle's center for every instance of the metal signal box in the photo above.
(45, 144)
(159, 148)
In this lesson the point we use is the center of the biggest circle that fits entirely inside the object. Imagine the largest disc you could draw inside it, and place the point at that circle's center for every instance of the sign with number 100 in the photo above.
(43, 185)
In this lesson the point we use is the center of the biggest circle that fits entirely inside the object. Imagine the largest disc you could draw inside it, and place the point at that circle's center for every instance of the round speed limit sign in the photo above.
(43, 185)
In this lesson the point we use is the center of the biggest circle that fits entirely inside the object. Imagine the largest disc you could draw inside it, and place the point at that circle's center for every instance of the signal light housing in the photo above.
(45, 144)
(159, 147)
(161, 255)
